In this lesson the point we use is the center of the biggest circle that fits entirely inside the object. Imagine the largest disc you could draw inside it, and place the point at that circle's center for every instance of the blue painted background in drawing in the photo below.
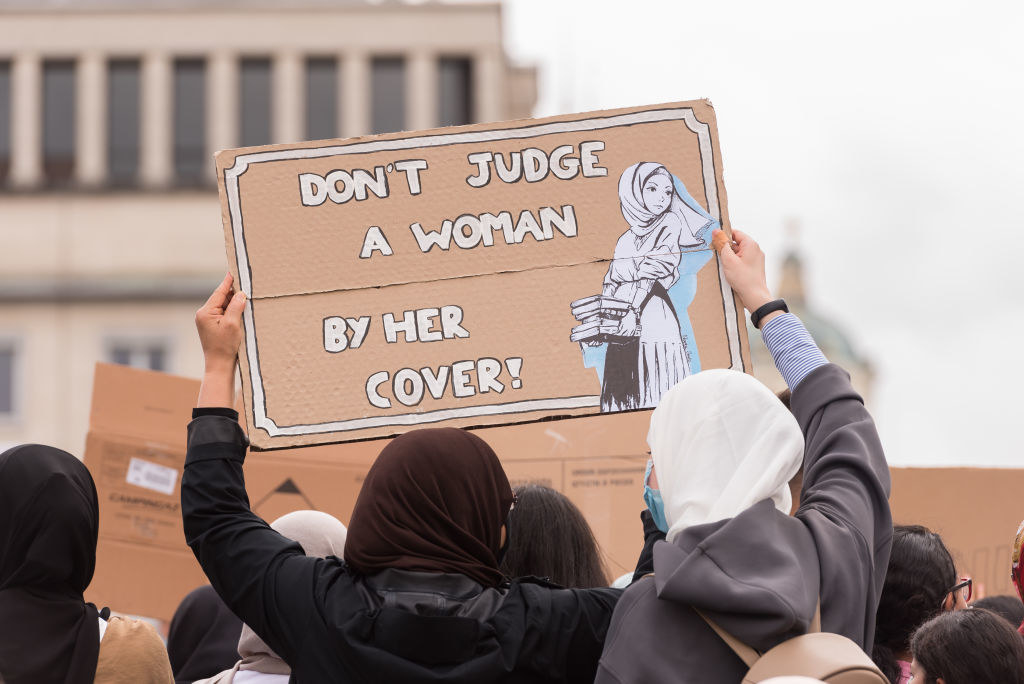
(681, 293)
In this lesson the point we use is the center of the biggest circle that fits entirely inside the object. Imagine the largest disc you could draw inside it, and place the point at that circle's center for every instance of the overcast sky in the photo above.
(892, 131)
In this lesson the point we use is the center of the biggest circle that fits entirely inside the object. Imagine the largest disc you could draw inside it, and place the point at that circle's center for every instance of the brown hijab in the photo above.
(434, 501)
(49, 520)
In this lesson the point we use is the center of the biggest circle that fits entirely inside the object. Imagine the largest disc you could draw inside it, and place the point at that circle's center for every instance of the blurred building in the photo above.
(834, 343)
(110, 112)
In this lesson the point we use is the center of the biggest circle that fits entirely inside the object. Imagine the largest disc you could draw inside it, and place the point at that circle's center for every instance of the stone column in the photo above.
(355, 98)
(288, 103)
(91, 120)
(488, 87)
(223, 117)
(156, 154)
(26, 121)
(422, 91)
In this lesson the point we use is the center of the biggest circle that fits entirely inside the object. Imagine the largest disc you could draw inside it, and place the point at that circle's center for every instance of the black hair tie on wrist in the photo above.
(765, 309)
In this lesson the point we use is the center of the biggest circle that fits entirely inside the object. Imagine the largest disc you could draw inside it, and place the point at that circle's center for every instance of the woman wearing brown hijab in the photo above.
(419, 596)
(49, 521)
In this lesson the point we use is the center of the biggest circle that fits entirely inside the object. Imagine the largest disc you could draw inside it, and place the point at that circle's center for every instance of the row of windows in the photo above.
(152, 354)
(322, 81)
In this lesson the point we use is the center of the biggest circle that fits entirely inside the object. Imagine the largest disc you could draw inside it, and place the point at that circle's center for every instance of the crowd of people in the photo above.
(766, 522)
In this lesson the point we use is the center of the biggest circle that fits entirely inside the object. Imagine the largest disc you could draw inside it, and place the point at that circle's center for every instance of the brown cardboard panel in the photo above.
(976, 510)
(333, 241)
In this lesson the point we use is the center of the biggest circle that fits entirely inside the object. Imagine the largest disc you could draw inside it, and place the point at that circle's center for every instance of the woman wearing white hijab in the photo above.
(320, 535)
(644, 266)
(724, 449)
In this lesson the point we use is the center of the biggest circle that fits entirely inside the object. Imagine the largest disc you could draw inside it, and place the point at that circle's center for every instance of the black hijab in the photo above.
(203, 637)
(49, 520)
(434, 500)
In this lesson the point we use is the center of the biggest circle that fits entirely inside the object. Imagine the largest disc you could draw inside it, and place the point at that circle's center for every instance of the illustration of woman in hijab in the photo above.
(647, 356)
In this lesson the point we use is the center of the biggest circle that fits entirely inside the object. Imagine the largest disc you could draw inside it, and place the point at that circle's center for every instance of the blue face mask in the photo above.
(652, 497)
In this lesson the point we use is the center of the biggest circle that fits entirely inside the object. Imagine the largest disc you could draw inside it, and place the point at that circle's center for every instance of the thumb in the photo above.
(235, 306)
(726, 254)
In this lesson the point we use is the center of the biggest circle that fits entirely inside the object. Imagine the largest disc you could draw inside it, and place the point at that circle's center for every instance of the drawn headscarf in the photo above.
(434, 501)
(642, 221)
(49, 521)
(722, 442)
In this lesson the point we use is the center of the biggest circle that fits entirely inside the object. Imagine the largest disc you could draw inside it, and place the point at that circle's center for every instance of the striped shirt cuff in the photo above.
(792, 348)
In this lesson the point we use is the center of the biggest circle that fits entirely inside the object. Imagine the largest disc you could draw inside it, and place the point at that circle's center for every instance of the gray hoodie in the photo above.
(758, 574)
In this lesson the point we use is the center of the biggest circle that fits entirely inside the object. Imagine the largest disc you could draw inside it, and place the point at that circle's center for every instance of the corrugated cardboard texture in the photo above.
(303, 251)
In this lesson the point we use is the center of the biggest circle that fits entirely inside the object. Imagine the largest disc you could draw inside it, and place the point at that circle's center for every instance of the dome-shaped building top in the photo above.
(832, 340)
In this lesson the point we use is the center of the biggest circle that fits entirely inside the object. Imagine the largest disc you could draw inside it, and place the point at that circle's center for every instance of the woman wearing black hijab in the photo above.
(203, 637)
(49, 521)
(420, 596)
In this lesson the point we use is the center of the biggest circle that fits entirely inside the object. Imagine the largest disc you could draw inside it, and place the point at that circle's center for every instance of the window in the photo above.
(388, 96)
(123, 121)
(455, 96)
(5, 120)
(189, 121)
(139, 353)
(8, 359)
(321, 98)
(58, 121)
(255, 101)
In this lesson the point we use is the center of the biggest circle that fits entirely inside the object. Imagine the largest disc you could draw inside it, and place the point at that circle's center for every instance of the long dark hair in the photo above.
(969, 646)
(921, 572)
(550, 538)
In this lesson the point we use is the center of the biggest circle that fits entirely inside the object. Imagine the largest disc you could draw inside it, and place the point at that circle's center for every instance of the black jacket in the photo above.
(332, 625)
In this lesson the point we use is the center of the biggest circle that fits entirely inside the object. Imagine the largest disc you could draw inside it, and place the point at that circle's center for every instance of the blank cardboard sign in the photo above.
(480, 275)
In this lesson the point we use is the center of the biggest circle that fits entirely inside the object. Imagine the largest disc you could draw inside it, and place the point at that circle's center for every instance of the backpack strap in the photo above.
(747, 654)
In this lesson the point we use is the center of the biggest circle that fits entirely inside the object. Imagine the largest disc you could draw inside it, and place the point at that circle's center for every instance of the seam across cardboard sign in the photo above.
(244, 161)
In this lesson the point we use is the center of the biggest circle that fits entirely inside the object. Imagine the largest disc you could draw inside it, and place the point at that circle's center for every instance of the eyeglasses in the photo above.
(964, 586)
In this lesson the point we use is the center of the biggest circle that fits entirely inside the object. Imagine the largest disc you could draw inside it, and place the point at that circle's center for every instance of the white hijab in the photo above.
(320, 535)
(642, 221)
(721, 442)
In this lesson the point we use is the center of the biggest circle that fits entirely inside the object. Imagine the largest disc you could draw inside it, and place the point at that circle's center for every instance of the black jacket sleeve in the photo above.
(652, 535)
(264, 578)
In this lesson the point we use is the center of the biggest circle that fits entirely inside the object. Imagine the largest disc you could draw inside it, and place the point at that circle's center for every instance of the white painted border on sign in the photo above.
(242, 162)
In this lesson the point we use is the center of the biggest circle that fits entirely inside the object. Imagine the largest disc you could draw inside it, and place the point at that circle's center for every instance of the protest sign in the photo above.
(479, 275)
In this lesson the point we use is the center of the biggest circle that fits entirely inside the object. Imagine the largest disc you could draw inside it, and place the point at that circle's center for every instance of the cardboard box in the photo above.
(440, 276)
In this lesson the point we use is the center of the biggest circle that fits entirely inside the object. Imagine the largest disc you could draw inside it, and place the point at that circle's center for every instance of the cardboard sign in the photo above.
(977, 512)
(480, 275)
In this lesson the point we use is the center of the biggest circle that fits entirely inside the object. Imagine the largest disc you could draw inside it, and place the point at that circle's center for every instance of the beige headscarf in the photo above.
(320, 535)
(721, 442)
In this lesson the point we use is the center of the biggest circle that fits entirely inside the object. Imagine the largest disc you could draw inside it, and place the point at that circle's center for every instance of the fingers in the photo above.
(234, 309)
(220, 296)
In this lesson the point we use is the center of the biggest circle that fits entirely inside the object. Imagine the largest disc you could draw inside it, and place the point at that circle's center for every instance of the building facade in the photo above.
(110, 113)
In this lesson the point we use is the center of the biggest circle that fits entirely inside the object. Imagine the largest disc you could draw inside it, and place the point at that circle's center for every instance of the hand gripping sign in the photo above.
(479, 275)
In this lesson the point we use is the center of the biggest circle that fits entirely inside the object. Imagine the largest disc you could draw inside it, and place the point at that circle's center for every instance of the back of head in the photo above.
(434, 501)
(968, 647)
(549, 537)
(1008, 607)
(722, 442)
(920, 574)
(49, 522)
(203, 636)
(320, 535)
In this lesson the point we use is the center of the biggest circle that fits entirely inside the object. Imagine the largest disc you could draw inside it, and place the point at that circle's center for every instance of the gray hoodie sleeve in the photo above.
(844, 500)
